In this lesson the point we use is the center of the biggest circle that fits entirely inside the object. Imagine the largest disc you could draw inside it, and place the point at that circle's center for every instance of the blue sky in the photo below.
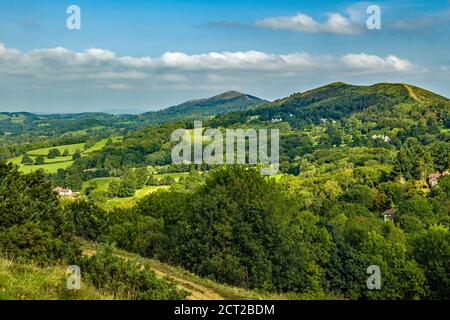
(146, 55)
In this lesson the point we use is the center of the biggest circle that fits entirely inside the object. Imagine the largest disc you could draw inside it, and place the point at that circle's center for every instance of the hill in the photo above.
(201, 108)
(339, 100)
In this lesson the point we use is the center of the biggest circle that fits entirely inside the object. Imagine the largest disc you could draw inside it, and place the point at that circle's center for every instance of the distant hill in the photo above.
(25, 123)
(201, 108)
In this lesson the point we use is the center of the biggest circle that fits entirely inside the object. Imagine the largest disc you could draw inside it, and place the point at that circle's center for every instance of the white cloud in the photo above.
(335, 23)
(98, 67)
(367, 62)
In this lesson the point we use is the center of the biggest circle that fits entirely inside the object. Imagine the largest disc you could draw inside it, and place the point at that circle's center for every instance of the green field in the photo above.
(50, 167)
(70, 147)
(102, 183)
(61, 162)
(131, 201)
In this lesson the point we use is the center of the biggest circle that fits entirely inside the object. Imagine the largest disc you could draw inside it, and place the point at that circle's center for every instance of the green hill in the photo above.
(201, 108)
(339, 100)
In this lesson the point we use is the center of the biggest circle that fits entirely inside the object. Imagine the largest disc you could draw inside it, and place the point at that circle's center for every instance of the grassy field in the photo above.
(61, 162)
(70, 147)
(48, 167)
(102, 183)
(131, 201)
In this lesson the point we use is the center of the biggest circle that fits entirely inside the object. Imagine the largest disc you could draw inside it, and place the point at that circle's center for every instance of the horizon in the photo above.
(165, 53)
(132, 111)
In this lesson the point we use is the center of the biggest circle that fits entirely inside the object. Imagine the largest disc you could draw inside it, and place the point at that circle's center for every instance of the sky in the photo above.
(146, 55)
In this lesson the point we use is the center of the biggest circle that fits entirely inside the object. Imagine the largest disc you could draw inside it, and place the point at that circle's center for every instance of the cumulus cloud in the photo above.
(335, 23)
(105, 68)
(367, 62)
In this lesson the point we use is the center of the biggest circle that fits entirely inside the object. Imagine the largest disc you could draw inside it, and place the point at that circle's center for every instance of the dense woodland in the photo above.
(354, 192)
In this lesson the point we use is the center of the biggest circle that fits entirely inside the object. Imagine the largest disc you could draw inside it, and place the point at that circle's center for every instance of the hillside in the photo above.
(339, 100)
(201, 108)
(19, 281)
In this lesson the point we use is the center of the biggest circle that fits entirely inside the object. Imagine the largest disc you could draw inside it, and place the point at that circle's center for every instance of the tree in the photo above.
(430, 249)
(242, 229)
(91, 187)
(167, 180)
(76, 155)
(26, 159)
(440, 152)
(53, 153)
(401, 276)
(66, 153)
(412, 161)
(39, 160)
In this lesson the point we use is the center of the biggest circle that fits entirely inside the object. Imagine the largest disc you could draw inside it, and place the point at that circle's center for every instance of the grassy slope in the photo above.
(203, 288)
(30, 282)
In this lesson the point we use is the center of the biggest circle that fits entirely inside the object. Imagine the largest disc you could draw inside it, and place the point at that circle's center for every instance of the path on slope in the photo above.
(411, 93)
(184, 280)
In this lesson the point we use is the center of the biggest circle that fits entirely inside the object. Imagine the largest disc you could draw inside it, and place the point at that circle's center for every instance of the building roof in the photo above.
(434, 176)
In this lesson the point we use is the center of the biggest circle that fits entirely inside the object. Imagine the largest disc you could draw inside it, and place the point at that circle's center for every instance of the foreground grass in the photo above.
(30, 282)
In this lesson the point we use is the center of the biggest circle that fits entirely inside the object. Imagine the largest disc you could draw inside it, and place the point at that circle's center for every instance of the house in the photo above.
(389, 214)
(276, 120)
(62, 192)
(433, 179)
(382, 137)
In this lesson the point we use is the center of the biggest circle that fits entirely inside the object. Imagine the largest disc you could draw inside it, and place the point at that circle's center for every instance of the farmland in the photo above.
(60, 162)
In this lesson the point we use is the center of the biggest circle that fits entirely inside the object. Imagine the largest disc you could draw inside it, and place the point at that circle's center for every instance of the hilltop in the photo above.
(201, 108)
